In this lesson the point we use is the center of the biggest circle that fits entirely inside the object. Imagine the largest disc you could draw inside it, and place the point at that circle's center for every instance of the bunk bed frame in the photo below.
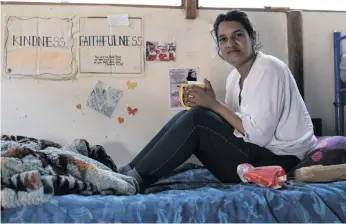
(339, 89)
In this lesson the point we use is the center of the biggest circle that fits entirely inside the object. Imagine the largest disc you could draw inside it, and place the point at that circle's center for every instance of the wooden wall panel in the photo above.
(295, 47)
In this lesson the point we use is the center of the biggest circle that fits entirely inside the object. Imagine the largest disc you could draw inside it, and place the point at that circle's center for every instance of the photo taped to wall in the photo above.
(160, 51)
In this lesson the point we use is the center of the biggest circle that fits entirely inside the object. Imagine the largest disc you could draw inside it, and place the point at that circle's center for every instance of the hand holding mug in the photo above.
(198, 94)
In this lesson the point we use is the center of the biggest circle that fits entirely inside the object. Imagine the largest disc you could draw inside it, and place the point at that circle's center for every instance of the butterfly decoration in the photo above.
(132, 111)
(131, 85)
(121, 120)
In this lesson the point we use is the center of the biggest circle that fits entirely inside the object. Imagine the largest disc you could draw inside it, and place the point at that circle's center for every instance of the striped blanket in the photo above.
(32, 170)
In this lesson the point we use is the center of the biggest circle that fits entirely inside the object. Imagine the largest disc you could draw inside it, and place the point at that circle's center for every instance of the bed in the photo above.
(192, 194)
(340, 86)
(187, 197)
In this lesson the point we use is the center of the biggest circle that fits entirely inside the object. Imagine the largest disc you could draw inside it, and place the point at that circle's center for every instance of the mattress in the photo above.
(192, 194)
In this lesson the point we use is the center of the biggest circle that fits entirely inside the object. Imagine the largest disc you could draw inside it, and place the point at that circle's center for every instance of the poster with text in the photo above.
(41, 47)
(177, 77)
(110, 49)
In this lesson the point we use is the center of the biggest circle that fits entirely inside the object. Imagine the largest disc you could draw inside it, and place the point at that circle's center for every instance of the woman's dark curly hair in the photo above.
(242, 18)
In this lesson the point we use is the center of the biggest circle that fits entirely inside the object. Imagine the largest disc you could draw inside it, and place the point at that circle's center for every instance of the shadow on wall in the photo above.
(118, 152)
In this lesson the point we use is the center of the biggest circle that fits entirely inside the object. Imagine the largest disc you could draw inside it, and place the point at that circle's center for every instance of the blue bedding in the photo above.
(194, 195)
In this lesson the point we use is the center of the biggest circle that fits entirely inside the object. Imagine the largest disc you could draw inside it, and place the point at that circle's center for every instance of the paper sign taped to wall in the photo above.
(104, 98)
(38, 46)
(110, 49)
(118, 20)
(177, 77)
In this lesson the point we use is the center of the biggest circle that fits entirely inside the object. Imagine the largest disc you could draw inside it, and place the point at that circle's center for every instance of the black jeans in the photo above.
(210, 138)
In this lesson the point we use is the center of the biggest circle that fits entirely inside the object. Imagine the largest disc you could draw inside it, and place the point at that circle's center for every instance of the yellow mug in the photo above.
(181, 91)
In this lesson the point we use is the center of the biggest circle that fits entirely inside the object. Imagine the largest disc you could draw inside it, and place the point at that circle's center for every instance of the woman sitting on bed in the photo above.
(264, 120)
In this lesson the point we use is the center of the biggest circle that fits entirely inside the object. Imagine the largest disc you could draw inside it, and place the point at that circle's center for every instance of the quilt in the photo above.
(33, 170)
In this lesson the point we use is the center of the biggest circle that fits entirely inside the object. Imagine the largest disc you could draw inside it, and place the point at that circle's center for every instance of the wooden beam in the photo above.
(244, 9)
(190, 7)
(295, 47)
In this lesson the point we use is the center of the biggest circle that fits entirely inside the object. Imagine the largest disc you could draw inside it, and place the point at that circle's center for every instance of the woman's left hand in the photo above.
(199, 96)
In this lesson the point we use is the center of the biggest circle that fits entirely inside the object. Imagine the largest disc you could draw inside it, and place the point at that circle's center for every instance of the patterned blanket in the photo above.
(33, 170)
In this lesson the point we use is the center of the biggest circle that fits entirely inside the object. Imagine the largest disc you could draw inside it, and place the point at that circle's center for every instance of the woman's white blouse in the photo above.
(272, 110)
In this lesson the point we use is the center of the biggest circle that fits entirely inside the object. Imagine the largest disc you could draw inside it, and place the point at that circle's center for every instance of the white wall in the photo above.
(46, 109)
(318, 64)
